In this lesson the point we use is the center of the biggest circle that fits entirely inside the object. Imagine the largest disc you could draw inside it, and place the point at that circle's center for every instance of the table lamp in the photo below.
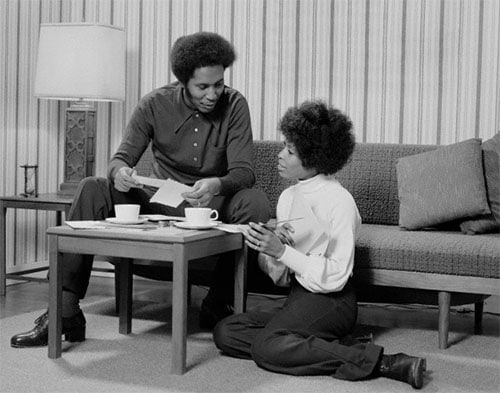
(82, 63)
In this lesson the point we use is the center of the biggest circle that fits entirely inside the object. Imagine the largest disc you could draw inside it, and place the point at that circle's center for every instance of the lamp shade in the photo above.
(80, 61)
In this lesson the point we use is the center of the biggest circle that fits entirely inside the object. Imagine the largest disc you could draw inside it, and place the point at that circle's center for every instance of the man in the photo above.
(200, 133)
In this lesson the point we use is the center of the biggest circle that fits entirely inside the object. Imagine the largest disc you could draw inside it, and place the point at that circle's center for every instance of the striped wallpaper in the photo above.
(415, 71)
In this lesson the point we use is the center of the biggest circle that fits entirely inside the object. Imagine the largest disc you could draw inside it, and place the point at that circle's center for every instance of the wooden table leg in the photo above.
(240, 280)
(124, 265)
(55, 298)
(179, 310)
(3, 248)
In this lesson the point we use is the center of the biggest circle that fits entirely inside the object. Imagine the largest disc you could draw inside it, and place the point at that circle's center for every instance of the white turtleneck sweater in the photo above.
(328, 264)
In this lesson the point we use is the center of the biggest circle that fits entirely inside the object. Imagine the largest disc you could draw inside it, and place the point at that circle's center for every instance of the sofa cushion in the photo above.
(481, 224)
(387, 247)
(442, 185)
(268, 180)
(491, 156)
(491, 164)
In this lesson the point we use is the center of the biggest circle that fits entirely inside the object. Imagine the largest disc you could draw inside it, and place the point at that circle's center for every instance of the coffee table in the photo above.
(164, 245)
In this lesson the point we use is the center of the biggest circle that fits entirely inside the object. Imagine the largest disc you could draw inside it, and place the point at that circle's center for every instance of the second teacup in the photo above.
(200, 215)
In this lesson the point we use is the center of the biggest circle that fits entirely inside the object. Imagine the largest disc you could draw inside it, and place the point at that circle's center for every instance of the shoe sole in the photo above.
(28, 346)
(71, 340)
(416, 378)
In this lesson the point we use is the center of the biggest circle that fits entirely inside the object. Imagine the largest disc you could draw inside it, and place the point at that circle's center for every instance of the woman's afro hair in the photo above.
(322, 135)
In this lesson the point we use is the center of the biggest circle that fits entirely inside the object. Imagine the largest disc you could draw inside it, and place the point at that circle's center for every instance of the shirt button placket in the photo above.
(195, 144)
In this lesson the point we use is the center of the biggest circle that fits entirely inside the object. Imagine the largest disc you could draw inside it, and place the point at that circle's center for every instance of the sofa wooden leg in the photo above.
(444, 299)
(478, 317)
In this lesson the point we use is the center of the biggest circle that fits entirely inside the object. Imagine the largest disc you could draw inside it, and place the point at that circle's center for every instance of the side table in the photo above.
(57, 202)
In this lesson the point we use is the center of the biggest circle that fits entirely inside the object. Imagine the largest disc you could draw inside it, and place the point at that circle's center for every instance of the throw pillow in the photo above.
(491, 164)
(482, 224)
(441, 185)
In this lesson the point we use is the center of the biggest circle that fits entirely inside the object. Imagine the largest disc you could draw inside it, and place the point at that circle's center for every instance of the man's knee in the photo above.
(92, 199)
(249, 204)
(92, 185)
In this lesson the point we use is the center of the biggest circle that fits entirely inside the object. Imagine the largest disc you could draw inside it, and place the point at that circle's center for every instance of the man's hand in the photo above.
(203, 192)
(124, 180)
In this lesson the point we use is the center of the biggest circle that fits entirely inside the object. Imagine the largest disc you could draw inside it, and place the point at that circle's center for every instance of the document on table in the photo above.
(169, 191)
(90, 224)
(86, 224)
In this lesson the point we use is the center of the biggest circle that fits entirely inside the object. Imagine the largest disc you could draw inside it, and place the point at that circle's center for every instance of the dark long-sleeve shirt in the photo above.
(188, 145)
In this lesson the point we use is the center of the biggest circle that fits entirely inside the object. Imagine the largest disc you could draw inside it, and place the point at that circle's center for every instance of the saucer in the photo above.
(136, 221)
(186, 225)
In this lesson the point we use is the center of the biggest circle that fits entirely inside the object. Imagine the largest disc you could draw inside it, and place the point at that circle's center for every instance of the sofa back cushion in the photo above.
(370, 177)
(265, 156)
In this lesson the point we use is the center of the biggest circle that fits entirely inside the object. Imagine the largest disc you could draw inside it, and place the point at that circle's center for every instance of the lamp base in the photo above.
(68, 188)
(80, 145)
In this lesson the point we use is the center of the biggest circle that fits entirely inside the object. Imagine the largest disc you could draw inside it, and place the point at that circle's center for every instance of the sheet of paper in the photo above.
(170, 193)
(149, 181)
(161, 217)
(87, 224)
(233, 228)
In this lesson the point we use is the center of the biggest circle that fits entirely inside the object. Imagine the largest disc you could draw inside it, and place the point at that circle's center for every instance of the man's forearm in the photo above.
(237, 179)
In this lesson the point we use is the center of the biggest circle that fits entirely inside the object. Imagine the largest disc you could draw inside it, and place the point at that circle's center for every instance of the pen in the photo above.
(273, 226)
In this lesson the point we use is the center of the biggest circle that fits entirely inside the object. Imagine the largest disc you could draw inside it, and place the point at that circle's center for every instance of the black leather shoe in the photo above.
(73, 329)
(211, 313)
(403, 368)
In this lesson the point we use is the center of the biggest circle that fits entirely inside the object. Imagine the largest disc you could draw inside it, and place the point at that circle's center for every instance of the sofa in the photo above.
(438, 265)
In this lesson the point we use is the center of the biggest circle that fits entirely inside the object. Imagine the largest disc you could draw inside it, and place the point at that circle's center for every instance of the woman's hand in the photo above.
(265, 240)
(284, 233)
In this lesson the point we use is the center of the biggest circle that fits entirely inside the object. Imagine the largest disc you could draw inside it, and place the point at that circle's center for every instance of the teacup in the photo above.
(127, 212)
(200, 216)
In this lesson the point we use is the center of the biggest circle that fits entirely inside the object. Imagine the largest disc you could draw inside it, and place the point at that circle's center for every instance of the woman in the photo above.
(313, 253)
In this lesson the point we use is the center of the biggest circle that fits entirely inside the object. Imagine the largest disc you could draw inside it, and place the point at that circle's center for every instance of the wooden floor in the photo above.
(23, 297)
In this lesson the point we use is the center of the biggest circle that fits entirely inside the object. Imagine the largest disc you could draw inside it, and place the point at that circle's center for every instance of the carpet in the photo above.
(140, 362)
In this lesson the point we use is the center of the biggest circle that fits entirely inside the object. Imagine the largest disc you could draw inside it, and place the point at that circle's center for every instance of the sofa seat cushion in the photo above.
(389, 247)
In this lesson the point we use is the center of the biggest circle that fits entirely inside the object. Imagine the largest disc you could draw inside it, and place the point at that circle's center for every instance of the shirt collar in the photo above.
(314, 183)
(186, 111)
